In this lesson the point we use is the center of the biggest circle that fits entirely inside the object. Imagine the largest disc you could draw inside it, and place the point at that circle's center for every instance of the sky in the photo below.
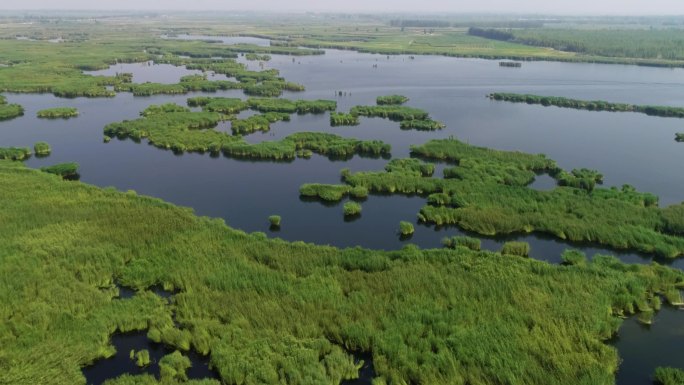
(602, 7)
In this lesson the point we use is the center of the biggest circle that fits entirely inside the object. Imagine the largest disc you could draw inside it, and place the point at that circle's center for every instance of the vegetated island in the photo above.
(679, 137)
(58, 112)
(668, 376)
(292, 317)
(486, 191)
(9, 111)
(391, 100)
(409, 117)
(591, 105)
(180, 130)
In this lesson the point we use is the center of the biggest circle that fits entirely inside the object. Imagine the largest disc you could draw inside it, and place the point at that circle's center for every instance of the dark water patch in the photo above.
(125, 292)
(121, 363)
(163, 293)
(366, 372)
(643, 348)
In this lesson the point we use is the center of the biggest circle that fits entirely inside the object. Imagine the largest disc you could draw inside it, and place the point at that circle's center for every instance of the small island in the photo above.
(9, 111)
(590, 105)
(58, 112)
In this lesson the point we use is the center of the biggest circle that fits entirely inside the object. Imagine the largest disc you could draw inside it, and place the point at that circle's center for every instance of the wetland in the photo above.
(291, 162)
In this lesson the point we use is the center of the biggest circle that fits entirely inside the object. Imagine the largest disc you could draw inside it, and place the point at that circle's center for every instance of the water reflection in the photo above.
(644, 348)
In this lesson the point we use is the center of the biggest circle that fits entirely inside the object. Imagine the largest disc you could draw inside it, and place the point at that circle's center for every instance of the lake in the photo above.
(627, 148)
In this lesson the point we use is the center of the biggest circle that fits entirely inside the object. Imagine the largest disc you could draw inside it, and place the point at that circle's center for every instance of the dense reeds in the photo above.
(520, 249)
(42, 149)
(591, 105)
(65, 170)
(270, 312)
(391, 100)
(58, 113)
(256, 57)
(351, 209)
(406, 228)
(668, 376)
(274, 220)
(192, 131)
(9, 111)
(462, 241)
(343, 119)
(15, 153)
(487, 192)
(421, 125)
(291, 106)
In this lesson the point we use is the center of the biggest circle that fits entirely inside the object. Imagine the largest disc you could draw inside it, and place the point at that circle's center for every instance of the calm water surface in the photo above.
(626, 147)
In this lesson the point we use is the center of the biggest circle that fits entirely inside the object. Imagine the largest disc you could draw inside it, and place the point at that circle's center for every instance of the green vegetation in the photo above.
(326, 192)
(141, 358)
(41, 149)
(291, 106)
(264, 316)
(679, 137)
(574, 257)
(272, 88)
(274, 220)
(148, 379)
(174, 367)
(9, 111)
(394, 113)
(462, 241)
(411, 166)
(351, 209)
(409, 117)
(257, 57)
(391, 100)
(257, 123)
(406, 228)
(487, 192)
(58, 112)
(421, 125)
(163, 109)
(669, 376)
(15, 153)
(65, 170)
(655, 45)
(593, 105)
(332, 192)
(221, 105)
(583, 178)
(520, 249)
(191, 131)
(342, 119)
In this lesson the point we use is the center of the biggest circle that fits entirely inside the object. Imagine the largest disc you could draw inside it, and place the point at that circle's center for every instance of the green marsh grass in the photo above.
(42, 149)
(591, 105)
(268, 311)
(391, 100)
(351, 209)
(58, 113)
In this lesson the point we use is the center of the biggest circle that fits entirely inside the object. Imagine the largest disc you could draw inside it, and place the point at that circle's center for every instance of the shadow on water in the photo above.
(643, 348)
(121, 363)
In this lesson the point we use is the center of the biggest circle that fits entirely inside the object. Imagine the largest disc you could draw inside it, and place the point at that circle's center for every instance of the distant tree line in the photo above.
(428, 23)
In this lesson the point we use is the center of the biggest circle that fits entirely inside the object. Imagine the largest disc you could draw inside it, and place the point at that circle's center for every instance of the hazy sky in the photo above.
(661, 7)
